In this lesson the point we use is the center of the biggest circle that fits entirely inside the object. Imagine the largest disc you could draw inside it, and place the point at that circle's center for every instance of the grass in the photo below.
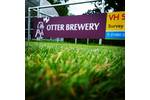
(65, 71)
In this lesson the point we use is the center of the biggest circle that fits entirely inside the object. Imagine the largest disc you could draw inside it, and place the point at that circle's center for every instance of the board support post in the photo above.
(29, 20)
(87, 40)
(38, 12)
(75, 40)
(57, 39)
(100, 42)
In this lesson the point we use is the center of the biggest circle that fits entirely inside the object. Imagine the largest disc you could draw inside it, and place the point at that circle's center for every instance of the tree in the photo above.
(116, 5)
(62, 10)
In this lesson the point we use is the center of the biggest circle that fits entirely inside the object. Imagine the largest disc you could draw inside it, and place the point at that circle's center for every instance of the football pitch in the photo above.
(67, 71)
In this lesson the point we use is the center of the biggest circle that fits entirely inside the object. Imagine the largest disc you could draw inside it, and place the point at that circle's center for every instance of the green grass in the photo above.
(65, 71)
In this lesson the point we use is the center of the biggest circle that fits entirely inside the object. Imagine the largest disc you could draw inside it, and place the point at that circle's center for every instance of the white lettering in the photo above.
(91, 26)
(80, 26)
(72, 27)
(67, 26)
(62, 27)
(96, 26)
(55, 27)
(86, 26)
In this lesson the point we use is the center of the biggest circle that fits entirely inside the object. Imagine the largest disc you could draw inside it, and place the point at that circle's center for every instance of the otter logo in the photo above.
(39, 31)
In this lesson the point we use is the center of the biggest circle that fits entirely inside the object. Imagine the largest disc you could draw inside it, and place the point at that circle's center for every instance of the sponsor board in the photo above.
(81, 26)
(115, 25)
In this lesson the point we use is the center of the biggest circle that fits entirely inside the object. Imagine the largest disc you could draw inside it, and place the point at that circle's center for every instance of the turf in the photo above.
(65, 71)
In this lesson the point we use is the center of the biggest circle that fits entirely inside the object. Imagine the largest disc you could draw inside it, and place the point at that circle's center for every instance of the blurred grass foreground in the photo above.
(65, 71)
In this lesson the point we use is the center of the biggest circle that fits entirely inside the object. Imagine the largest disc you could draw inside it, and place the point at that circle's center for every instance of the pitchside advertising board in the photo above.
(94, 26)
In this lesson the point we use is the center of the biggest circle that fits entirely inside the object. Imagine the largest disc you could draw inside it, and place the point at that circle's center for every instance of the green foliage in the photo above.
(62, 10)
(117, 5)
(63, 71)
(51, 1)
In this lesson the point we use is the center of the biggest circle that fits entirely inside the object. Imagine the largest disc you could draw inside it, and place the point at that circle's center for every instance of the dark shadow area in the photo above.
(114, 42)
